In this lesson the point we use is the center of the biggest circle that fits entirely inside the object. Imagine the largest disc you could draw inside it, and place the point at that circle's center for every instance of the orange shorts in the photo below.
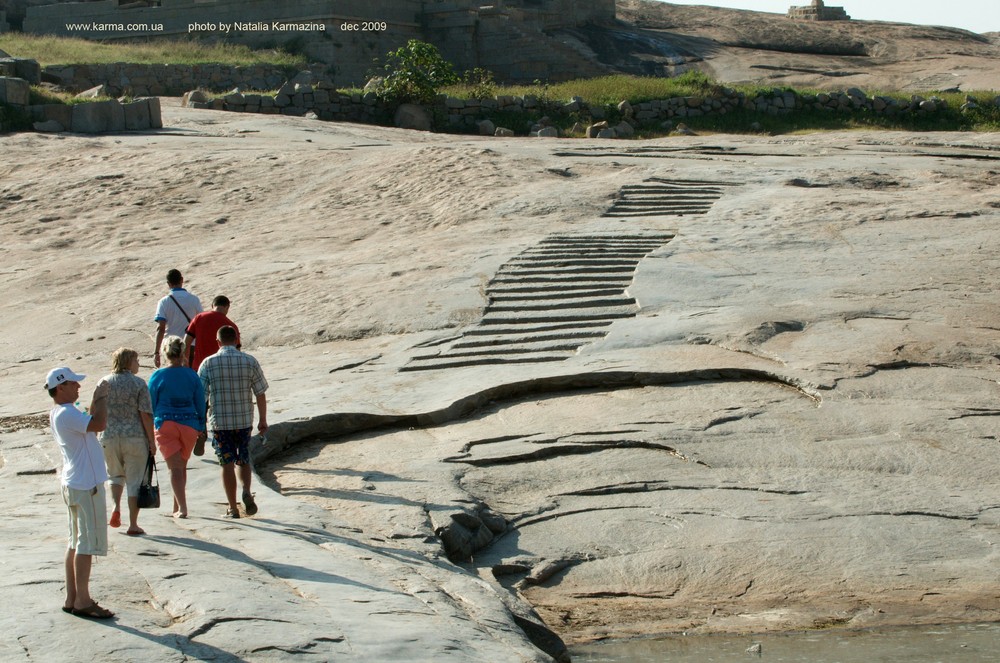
(172, 437)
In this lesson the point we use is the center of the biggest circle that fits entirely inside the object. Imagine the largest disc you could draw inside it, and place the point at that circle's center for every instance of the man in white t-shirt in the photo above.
(174, 312)
(83, 476)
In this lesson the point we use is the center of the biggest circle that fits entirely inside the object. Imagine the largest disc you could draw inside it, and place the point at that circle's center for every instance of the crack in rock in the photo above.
(517, 524)
(212, 623)
(301, 649)
(562, 450)
(662, 596)
(975, 412)
(650, 487)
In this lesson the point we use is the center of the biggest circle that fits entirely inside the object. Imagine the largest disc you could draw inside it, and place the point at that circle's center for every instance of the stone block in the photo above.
(98, 117)
(155, 115)
(60, 113)
(48, 126)
(15, 91)
(24, 68)
(137, 115)
(91, 118)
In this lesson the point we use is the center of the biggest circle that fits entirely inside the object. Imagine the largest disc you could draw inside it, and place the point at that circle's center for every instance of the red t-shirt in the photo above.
(204, 327)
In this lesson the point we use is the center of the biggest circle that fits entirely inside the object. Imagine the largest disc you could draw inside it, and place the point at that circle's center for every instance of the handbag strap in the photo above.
(186, 316)
(150, 470)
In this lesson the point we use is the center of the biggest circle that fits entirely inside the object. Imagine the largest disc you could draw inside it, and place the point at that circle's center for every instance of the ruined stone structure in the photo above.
(512, 38)
(818, 12)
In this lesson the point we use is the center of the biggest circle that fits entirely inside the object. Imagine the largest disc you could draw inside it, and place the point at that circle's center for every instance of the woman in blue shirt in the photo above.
(178, 399)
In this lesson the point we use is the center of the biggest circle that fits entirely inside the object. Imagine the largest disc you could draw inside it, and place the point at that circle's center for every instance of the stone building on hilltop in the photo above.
(512, 38)
(818, 12)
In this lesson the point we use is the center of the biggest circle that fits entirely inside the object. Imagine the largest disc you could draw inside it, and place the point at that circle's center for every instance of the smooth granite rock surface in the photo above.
(694, 384)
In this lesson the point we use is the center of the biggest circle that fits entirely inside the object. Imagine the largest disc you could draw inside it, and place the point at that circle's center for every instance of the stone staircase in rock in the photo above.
(566, 291)
(547, 302)
(658, 196)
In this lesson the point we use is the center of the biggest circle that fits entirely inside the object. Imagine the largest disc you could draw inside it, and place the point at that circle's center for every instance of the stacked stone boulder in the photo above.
(856, 100)
(24, 68)
(94, 117)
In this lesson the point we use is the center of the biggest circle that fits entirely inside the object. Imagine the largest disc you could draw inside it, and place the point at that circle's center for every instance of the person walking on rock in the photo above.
(174, 312)
(204, 328)
(83, 477)
(178, 416)
(128, 440)
(232, 380)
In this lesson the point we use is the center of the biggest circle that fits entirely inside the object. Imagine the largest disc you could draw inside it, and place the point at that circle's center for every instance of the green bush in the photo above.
(415, 73)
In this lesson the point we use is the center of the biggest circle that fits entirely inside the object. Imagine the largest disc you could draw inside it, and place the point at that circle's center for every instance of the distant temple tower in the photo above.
(818, 12)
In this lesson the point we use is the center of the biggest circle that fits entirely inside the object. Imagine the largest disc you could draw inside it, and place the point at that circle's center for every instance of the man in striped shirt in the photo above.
(233, 380)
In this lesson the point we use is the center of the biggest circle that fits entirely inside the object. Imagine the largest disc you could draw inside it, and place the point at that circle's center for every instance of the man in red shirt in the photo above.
(205, 327)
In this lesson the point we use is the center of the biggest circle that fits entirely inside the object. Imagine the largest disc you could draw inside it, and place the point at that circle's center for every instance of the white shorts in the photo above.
(88, 513)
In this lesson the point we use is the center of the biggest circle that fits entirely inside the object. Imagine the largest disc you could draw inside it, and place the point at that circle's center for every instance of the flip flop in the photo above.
(93, 611)
(230, 514)
(249, 504)
(139, 532)
(116, 519)
(68, 609)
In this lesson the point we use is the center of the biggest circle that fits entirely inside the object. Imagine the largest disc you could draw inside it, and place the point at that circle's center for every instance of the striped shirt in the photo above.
(232, 379)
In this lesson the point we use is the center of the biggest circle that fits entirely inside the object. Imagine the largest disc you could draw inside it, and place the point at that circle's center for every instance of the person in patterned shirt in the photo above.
(233, 380)
(128, 440)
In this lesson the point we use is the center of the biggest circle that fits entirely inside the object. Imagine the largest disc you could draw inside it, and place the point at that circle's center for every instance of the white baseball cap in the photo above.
(59, 375)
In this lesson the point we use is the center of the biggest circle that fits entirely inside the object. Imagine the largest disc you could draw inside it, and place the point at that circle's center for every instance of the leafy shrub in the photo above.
(415, 73)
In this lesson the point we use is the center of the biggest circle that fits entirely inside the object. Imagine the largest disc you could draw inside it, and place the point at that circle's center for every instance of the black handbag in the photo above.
(149, 489)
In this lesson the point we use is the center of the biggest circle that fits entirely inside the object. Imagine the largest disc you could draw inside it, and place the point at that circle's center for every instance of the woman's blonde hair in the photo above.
(121, 360)
(173, 347)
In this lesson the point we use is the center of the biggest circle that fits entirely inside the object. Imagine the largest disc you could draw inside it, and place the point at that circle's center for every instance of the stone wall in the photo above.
(164, 79)
(528, 114)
